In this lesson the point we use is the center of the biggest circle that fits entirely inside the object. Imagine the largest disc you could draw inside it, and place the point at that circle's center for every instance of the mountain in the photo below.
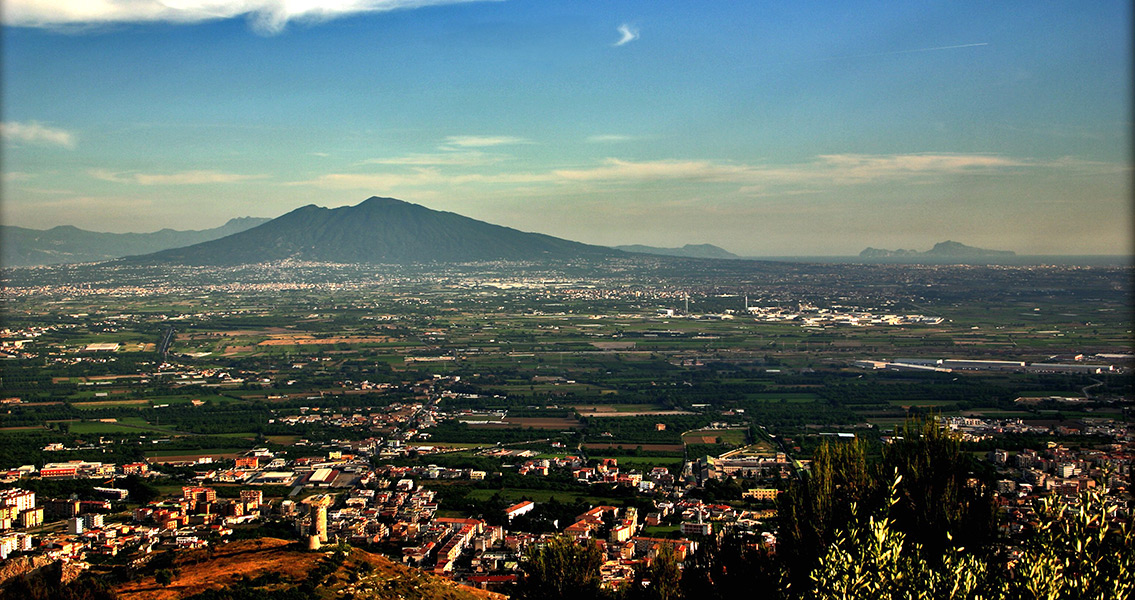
(942, 250)
(22, 247)
(378, 231)
(687, 251)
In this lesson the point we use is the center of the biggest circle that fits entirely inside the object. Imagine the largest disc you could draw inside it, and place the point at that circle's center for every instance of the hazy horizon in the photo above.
(765, 130)
(926, 245)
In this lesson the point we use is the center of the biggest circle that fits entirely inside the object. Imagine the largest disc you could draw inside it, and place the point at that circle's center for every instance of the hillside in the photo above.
(687, 251)
(23, 247)
(269, 567)
(377, 231)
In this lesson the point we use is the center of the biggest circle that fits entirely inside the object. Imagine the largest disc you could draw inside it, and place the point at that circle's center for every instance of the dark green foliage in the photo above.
(660, 580)
(940, 502)
(733, 566)
(38, 587)
(561, 570)
(936, 496)
(838, 486)
(163, 577)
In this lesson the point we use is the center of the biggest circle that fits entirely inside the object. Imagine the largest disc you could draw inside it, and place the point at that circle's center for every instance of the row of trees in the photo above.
(912, 523)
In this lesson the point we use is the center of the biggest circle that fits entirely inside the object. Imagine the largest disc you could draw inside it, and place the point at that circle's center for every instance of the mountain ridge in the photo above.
(942, 250)
(66, 244)
(687, 251)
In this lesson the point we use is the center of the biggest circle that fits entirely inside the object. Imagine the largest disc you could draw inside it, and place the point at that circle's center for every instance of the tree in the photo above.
(164, 577)
(561, 570)
(935, 499)
(1077, 551)
(733, 566)
(872, 559)
(661, 579)
(839, 484)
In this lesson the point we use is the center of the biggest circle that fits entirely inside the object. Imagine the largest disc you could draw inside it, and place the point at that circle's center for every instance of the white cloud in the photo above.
(32, 132)
(265, 16)
(826, 171)
(16, 176)
(463, 159)
(609, 138)
(622, 170)
(481, 141)
(182, 178)
(629, 34)
(425, 177)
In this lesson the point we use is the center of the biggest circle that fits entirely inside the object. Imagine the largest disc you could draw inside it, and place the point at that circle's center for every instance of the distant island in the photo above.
(941, 250)
(687, 251)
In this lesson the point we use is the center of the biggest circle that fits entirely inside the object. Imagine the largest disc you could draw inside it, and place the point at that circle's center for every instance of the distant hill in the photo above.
(376, 231)
(22, 247)
(941, 250)
(687, 251)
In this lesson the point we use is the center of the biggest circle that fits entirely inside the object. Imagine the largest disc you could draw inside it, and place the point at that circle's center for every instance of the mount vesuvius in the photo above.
(377, 231)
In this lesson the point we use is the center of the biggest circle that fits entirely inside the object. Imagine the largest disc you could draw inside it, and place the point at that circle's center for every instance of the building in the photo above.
(760, 494)
(519, 509)
(20, 499)
(698, 528)
(32, 517)
(319, 505)
(138, 468)
(199, 494)
(252, 499)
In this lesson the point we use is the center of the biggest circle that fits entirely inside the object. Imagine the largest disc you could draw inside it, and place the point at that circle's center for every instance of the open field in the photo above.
(631, 446)
(734, 437)
(182, 456)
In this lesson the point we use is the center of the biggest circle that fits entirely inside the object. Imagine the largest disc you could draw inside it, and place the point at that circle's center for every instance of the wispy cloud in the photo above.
(460, 159)
(16, 176)
(481, 141)
(622, 170)
(628, 33)
(181, 178)
(265, 16)
(826, 171)
(33, 132)
(609, 138)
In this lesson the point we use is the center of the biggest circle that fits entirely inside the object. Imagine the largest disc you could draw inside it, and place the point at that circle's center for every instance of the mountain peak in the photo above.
(381, 201)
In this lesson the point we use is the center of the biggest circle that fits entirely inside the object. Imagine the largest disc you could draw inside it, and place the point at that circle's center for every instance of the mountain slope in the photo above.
(941, 250)
(23, 247)
(269, 567)
(687, 251)
(380, 231)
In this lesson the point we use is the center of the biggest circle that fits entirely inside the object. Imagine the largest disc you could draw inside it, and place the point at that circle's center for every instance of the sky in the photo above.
(767, 128)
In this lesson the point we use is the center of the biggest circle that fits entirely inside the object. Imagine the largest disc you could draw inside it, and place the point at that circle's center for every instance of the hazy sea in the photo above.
(1093, 260)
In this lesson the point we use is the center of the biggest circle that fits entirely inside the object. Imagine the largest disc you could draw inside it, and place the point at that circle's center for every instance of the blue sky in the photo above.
(766, 128)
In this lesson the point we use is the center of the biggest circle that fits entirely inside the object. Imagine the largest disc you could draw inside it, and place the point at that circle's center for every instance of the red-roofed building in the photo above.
(518, 509)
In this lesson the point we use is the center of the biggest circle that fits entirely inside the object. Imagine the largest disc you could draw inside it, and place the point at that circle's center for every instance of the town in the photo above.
(456, 424)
